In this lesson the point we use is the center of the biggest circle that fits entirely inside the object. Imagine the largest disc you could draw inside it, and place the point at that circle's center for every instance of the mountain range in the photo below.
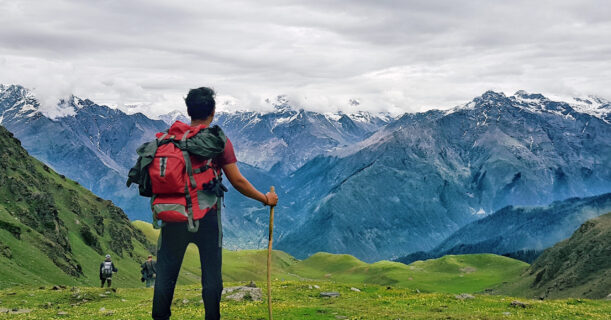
(284, 140)
(371, 185)
(95, 145)
(423, 176)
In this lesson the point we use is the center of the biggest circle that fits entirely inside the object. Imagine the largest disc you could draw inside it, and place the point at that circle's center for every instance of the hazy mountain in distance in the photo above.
(422, 177)
(518, 229)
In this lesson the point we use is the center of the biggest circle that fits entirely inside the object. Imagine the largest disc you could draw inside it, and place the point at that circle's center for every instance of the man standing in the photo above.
(106, 270)
(149, 272)
(174, 235)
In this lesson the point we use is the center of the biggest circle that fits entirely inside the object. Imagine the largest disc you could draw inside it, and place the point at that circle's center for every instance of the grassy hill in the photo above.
(243, 265)
(577, 267)
(54, 231)
(452, 274)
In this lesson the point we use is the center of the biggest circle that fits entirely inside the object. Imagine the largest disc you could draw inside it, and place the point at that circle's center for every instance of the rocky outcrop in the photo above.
(240, 293)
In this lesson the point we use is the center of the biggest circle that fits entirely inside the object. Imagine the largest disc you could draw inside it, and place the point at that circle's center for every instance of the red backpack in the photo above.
(183, 185)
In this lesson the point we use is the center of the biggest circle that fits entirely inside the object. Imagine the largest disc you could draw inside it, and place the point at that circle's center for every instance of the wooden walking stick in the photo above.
(269, 258)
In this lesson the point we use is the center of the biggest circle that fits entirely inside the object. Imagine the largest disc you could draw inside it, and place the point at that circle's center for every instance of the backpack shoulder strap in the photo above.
(165, 134)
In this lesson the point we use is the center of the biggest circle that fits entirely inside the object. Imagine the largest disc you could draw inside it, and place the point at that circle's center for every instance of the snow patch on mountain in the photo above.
(287, 137)
(283, 120)
(333, 116)
(538, 103)
(27, 110)
(174, 116)
(594, 106)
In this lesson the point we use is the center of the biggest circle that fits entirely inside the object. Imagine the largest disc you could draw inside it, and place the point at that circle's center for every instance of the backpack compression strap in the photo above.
(218, 221)
(192, 226)
(219, 190)
(155, 220)
(218, 205)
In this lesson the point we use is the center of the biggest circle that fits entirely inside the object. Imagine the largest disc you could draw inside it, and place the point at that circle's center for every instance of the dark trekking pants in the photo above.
(174, 240)
(107, 280)
(149, 282)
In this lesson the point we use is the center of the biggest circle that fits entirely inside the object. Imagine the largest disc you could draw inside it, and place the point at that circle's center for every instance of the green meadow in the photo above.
(385, 290)
(382, 290)
(293, 300)
(449, 274)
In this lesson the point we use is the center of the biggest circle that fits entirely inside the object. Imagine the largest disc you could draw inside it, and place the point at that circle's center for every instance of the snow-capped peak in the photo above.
(173, 116)
(76, 102)
(175, 113)
(16, 90)
(25, 104)
(538, 103)
(522, 94)
(592, 105)
(595, 106)
(334, 116)
(280, 103)
(361, 116)
(283, 108)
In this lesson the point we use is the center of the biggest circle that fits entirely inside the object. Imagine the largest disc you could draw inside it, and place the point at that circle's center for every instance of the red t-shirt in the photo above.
(228, 156)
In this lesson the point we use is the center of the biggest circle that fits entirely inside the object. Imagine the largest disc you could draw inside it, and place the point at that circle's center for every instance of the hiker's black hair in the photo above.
(200, 103)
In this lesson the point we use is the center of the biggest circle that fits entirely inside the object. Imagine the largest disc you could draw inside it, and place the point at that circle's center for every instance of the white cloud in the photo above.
(391, 55)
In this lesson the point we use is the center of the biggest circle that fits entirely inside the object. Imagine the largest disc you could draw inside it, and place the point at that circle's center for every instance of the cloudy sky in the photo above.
(393, 56)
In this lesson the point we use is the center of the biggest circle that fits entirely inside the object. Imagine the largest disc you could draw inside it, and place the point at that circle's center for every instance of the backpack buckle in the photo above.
(192, 226)
(216, 187)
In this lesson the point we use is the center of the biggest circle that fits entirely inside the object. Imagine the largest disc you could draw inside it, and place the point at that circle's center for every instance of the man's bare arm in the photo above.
(245, 187)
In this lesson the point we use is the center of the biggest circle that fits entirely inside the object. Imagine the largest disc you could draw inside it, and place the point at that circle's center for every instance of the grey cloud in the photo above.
(391, 55)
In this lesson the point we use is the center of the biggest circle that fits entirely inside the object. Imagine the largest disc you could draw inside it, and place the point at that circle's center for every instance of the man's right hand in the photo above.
(272, 198)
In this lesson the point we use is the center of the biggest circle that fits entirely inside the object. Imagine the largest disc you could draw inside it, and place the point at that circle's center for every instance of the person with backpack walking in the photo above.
(182, 173)
(149, 272)
(106, 270)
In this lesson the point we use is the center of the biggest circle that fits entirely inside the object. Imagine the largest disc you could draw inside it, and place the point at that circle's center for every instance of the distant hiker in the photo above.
(149, 272)
(182, 172)
(106, 270)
